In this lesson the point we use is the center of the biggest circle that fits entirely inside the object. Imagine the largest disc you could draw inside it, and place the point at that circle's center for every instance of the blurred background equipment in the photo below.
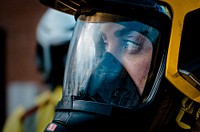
(18, 20)
(53, 35)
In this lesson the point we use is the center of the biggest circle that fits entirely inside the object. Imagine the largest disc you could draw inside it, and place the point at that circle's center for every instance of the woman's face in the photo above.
(131, 48)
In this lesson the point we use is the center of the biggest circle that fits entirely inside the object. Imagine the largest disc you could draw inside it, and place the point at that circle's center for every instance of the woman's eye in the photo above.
(131, 46)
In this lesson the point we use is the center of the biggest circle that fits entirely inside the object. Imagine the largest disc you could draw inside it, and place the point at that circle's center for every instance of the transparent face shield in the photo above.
(109, 60)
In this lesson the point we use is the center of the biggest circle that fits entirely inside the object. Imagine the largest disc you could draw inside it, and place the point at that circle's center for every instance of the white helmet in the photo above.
(53, 34)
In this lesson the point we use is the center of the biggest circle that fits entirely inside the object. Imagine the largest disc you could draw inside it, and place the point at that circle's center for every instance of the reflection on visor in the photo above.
(110, 61)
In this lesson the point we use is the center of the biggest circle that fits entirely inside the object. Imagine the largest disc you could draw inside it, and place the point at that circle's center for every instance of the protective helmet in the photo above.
(183, 60)
(53, 34)
(117, 61)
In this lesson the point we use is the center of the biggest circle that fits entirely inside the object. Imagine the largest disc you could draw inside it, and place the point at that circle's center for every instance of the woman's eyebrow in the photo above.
(122, 32)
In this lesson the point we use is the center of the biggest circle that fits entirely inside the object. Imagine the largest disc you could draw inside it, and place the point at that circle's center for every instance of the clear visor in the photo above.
(109, 60)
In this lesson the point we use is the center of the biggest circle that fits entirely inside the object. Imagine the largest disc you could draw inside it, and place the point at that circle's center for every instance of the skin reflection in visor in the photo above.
(131, 48)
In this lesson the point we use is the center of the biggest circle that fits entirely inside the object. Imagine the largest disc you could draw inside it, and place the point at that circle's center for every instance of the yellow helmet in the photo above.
(121, 57)
(183, 59)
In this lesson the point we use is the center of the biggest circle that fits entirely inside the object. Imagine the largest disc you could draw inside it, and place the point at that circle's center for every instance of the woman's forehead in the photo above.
(110, 27)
